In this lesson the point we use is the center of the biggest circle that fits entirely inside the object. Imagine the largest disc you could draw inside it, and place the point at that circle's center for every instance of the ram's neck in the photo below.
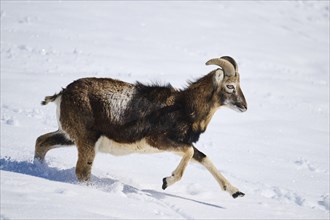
(200, 102)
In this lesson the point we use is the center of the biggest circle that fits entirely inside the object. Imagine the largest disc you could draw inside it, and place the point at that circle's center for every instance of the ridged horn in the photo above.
(227, 63)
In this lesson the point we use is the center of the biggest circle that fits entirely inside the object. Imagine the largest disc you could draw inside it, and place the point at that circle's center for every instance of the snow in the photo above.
(277, 152)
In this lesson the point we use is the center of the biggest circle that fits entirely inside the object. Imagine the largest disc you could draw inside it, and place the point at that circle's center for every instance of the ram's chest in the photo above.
(106, 145)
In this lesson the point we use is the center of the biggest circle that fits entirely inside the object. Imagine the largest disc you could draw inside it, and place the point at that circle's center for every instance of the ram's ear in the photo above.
(218, 77)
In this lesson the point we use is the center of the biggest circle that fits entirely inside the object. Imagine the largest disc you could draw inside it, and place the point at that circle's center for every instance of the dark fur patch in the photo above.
(199, 156)
(57, 138)
(61, 139)
(155, 117)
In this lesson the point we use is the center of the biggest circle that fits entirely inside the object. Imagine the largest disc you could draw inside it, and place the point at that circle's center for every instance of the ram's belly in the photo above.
(106, 145)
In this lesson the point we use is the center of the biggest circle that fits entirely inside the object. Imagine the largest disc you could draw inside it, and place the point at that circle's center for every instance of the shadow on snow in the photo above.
(42, 170)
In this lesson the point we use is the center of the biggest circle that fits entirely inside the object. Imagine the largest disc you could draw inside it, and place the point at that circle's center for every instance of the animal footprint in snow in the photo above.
(305, 164)
(8, 120)
(324, 202)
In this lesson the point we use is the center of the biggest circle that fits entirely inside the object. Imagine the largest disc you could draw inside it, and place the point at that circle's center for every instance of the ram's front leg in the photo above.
(188, 153)
(223, 182)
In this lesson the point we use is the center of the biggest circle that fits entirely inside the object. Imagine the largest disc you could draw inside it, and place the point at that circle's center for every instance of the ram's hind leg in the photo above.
(223, 182)
(86, 155)
(178, 172)
(48, 141)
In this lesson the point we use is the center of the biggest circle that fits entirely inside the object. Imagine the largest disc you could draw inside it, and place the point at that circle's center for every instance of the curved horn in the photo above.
(231, 60)
(225, 64)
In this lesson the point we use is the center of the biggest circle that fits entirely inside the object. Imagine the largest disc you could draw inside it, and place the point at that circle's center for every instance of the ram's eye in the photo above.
(230, 86)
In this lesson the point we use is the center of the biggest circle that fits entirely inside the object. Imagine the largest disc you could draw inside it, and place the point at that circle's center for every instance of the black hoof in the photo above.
(164, 186)
(238, 194)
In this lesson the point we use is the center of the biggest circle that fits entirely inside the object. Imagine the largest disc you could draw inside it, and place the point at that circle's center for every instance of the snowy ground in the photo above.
(277, 152)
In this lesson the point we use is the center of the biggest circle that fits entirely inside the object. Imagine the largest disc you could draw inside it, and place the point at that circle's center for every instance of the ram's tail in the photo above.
(50, 98)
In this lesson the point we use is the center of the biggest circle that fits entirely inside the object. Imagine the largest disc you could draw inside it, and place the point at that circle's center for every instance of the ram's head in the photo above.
(228, 81)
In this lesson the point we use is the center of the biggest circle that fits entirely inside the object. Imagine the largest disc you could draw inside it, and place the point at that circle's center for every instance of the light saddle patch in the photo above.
(118, 102)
